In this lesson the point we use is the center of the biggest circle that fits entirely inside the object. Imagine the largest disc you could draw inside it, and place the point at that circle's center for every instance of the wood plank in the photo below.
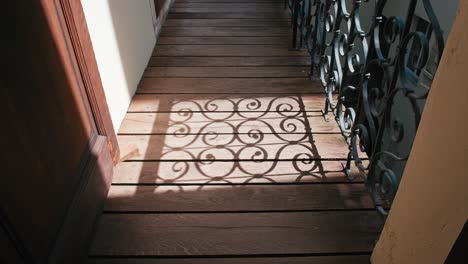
(220, 102)
(237, 198)
(232, 6)
(227, 50)
(225, 31)
(230, 1)
(227, 9)
(224, 15)
(229, 85)
(191, 172)
(349, 259)
(225, 122)
(229, 61)
(224, 40)
(282, 22)
(227, 72)
(228, 147)
(235, 234)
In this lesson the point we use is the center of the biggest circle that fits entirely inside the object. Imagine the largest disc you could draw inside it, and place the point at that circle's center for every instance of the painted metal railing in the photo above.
(376, 80)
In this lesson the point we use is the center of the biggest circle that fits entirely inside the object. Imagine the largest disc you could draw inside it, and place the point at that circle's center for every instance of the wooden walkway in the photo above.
(235, 163)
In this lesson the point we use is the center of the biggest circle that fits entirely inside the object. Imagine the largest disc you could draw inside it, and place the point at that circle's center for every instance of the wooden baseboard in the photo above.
(89, 195)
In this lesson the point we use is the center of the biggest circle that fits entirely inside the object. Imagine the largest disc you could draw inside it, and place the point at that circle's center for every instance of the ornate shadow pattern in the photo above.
(373, 69)
(250, 134)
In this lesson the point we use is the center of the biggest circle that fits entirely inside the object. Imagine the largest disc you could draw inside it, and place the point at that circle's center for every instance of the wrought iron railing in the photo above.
(376, 72)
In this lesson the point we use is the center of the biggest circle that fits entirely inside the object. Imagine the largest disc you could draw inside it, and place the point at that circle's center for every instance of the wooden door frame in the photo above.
(73, 17)
(84, 199)
(90, 192)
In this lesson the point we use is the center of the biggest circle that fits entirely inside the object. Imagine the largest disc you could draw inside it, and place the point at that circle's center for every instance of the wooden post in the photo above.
(431, 208)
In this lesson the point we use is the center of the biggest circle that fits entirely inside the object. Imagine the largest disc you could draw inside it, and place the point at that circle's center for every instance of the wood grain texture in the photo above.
(227, 50)
(350, 259)
(229, 61)
(236, 147)
(237, 198)
(224, 122)
(229, 86)
(227, 22)
(235, 163)
(230, 1)
(232, 6)
(200, 40)
(225, 15)
(192, 172)
(227, 72)
(235, 234)
(224, 8)
(224, 102)
(224, 31)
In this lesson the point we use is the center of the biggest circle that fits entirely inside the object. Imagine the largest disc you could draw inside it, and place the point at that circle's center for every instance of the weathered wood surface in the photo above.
(228, 61)
(227, 23)
(225, 123)
(225, 15)
(235, 234)
(227, 72)
(227, 50)
(225, 103)
(235, 162)
(265, 86)
(349, 259)
(227, 147)
(237, 198)
(200, 40)
(224, 31)
(233, 172)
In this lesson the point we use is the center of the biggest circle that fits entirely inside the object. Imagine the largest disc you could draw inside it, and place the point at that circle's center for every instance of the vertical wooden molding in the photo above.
(83, 49)
(430, 208)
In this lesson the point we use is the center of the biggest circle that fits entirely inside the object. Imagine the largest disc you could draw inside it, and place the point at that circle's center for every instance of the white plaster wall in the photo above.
(123, 39)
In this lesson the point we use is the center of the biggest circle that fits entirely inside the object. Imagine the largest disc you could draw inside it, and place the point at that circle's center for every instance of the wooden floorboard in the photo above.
(237, 198)
(229, 61)
(224, 123)
(226, 103)
(224, 31)
(232, 6)
(350, 259)
(230, 159)
(227, 22)
(227, 72)
(227, 50)
(236, 234)
(173, 14)
(227, 147)
(226, 9)
(267, 86)
(230, 1)
(223, 41)
(232, 172)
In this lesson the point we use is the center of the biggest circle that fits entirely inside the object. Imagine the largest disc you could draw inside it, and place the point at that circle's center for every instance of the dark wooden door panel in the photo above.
(52, 145)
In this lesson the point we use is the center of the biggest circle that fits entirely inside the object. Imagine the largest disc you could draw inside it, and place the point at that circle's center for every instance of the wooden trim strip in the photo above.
(83, 50)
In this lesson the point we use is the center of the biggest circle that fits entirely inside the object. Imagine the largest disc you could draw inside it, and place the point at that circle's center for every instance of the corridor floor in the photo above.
(235, 162)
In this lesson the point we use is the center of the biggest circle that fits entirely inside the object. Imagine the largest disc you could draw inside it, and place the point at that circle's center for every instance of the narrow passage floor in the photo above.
(235, 163)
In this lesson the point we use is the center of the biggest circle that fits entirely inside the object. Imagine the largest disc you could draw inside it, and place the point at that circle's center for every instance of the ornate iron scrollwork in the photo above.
(372, 86)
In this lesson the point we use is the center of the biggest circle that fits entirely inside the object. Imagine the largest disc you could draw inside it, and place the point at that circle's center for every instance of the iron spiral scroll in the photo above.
(373, 87)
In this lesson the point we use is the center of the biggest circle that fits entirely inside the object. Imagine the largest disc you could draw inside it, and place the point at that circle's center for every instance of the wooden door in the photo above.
(57, 141)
